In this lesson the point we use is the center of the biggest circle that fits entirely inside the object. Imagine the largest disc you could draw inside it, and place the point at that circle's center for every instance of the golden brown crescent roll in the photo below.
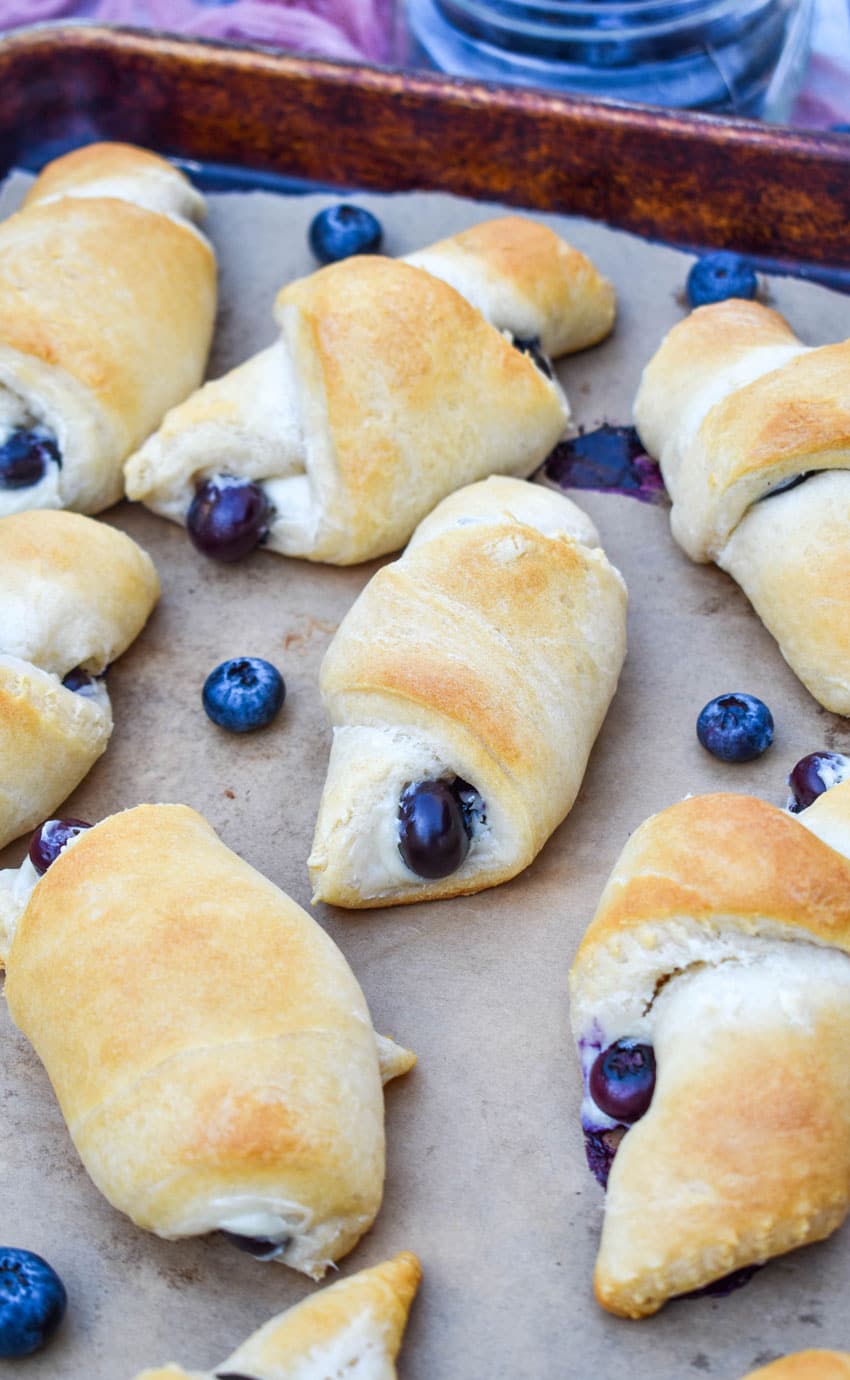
(355, 1328)
(393, 383)
(76, 593)
(210, 1048)
(806, 1365)
(739, 413)
(720, 950)
(107, 300)
(466, 687)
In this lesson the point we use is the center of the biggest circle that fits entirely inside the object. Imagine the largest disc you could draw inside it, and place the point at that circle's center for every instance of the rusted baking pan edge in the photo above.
(686, 179)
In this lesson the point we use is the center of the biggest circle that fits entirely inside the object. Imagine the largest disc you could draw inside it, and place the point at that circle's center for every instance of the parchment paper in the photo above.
(486, 1173)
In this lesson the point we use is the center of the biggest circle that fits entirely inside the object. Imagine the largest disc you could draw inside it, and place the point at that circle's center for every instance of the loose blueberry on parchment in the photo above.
(243, 694)
(338, 232)
(32, 1302)
(735, 728)
(715, 277)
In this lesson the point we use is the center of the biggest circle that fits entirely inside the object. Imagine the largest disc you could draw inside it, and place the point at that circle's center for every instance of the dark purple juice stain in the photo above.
(610, 460)
(719, 1288)
(600, 1147)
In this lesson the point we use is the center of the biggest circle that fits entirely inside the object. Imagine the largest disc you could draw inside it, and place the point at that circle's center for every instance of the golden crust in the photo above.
(50, 739)
(391, 386)
(492, 651)
(733, 405)
(126, 309)
(107, 302)
(789, 555)
(75, 592)
(523, 277)
(395, 417)
(730, 861)
(189, 1097)
(744, 1152)
(806, 1365)
(363, 1316)
(793, 419)
(723, 939)
(96, 163)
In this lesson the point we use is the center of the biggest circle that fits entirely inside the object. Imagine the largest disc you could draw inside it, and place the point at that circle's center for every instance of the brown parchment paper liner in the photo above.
(486, 1173)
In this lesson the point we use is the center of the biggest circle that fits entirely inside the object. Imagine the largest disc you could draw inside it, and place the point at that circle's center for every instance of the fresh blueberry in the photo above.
(715, 277)
(50, 838)
(32, 1302)
(436, 825)
(243, 694)
(531, 347)
(24, 457)
(228, 517)
(260, 1247)
(622, 1080)
(340, 231)
(81, 682)
(735, 728)
(815, 774)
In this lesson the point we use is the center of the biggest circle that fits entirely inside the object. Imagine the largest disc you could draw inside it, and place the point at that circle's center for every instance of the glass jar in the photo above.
(745, 57)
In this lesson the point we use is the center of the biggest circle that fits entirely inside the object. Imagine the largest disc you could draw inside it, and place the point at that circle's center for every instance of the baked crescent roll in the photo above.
(393, 383)
(107, 301)
(718, 963)
(76, 593)
(354, 1327)
(210, 1048)
(739, 413)
(466, 687)
(806, 1365)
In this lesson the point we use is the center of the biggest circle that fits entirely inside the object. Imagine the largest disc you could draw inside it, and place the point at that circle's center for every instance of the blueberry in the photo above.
(436, 823)
(32, 1302)
(735, 728)
(24, 457)
(622, 1080)
(81, 682)
(228, 518)
(531, 347)
(815, 774)
(715, 277)
(243, 694)
(340, 231)
(260, 1247)
(50, 838)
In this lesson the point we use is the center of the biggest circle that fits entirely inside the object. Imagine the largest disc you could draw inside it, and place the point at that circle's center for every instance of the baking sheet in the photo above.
(486, 1174)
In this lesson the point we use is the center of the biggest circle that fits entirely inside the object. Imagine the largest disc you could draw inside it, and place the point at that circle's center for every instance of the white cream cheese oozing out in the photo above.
(16, 887)
(15, 415)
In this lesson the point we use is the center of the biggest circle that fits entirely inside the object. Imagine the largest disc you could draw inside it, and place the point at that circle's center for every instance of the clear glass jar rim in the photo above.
(633, 16)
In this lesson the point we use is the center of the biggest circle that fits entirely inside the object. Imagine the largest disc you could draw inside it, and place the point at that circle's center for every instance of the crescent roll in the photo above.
(722, 944)
(806, 1365)
(353, 1327)
(76, 593)
(473, 673)
(107, 301)
(210, 1048)
(393, 382)
(739, 413)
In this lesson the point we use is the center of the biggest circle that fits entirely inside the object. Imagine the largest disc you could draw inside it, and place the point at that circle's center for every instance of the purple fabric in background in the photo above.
(369, 31)
(353, 30)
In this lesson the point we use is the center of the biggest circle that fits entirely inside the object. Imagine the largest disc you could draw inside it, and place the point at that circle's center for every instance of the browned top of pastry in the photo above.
(94, 163)
(727, 860)
(806, 1365)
